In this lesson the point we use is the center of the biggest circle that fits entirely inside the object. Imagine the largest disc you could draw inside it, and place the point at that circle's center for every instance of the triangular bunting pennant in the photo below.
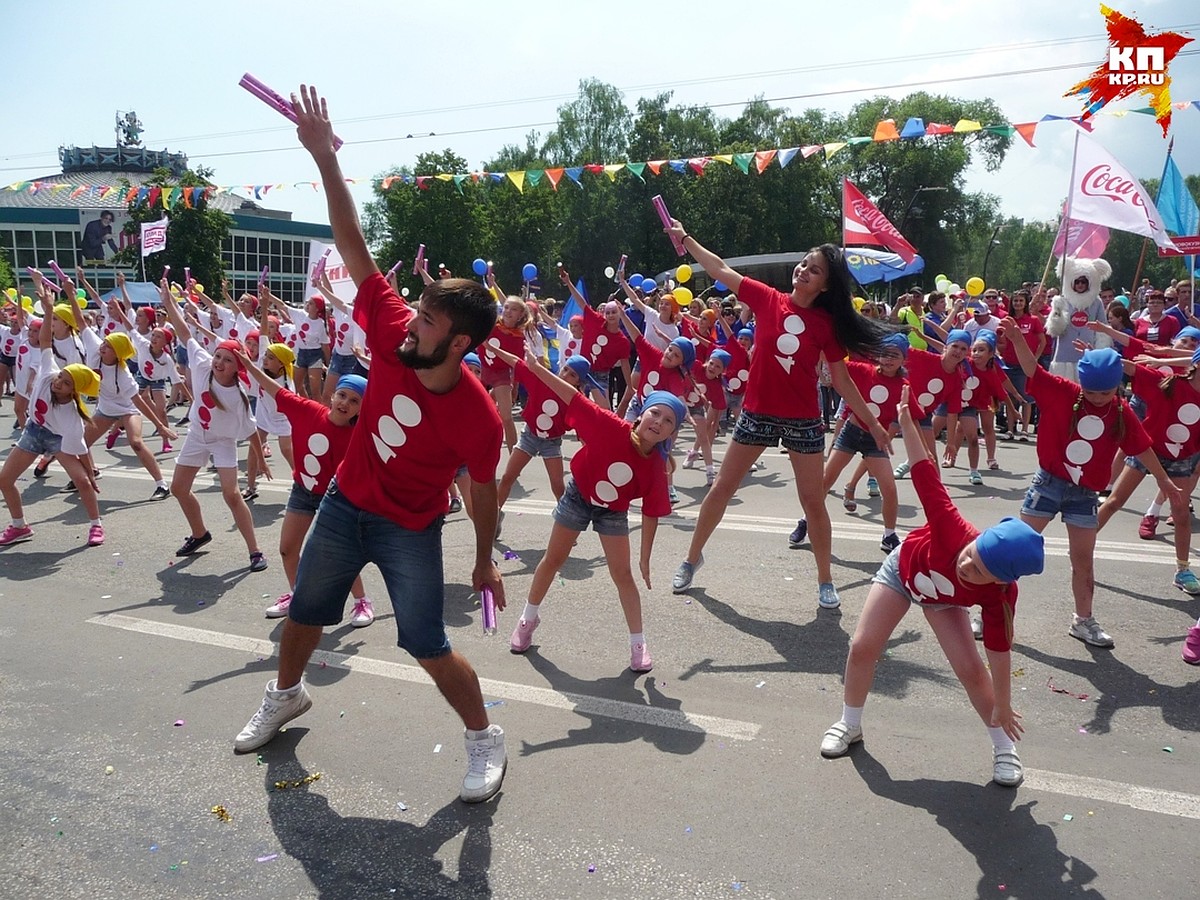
(679, 165)
(655, 165)
(497, 177)
(963, 126)
(573, 172)
(173, 200)
(458, 181)
(763, 158)
(726, 158)
(786, 156)
(423, 182)
(518, 178)
(637, 169)
(913, 128)
(554, 175)
(886, 131)
(809, 149)
(612, 170)
(1083, 123)
(187, 198)
(155, 193)
(856, 141)
(533, 176)
(934, 128)
(697, 164)
(79, 190)
(445, 176)
(1002, 130)
(197, 193)
(833, 148)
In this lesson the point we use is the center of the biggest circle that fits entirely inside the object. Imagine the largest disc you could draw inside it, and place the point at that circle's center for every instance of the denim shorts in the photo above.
(10, 361)
(1019, 379)
(342, 364)
(39, 439)
(308, 359)
(302, 500)
(342, 540)
(1175, 468)
(546, 448)
(181, 356)
(889, 576)
(797, 435)
(852, 439)
(967, 412)
(147, 385)
(1048, 496)
(576, 513)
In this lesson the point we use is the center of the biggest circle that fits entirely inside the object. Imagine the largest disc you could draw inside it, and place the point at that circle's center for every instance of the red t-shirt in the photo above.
(882, 394)
(704, 387)
(1079, 447)
(1161, 332)
(506, 339)
(932, 384)
(608, 469)
(655, 377)
(983, 386)
(604, 349)
(544, 412)
(1031, 328)
(737, 373)
(318, 445)
(1170, 421)
(929, 561)
(789, 342)
(409, 442)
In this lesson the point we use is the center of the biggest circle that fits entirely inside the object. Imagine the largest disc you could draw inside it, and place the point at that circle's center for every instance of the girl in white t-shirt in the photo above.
(277, 360)
(220, 417)
(311, 345)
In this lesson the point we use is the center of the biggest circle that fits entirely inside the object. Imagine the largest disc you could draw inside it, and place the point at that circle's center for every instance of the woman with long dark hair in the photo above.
(794, 332)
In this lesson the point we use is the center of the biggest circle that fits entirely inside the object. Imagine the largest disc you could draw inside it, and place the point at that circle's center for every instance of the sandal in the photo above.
(848, 501)
(947, 462)
(993, 465)
(250, 493)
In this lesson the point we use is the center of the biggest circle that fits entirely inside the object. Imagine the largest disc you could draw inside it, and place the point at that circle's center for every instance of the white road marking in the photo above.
(1168, 803)
(579, 703)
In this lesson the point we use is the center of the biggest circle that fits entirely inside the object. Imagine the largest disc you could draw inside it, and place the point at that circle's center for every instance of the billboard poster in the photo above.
(102, 234)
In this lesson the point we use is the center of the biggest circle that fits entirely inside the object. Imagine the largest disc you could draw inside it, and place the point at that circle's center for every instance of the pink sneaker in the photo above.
(522, 635)
(639, 659)
(280, 609)
(15, 535)
(166, 446)
(95, 535)
(111, 440)
(1191, 646)
(364, 613)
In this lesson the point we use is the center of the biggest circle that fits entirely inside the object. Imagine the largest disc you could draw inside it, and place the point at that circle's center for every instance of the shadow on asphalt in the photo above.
(315, 674)
(604, 729)
(1017, 856)
(818, 647)
(351, 857)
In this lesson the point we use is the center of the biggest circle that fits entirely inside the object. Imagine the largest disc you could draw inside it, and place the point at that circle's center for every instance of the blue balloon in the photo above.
(529, 271)
(479, 266)
(648, 285)
(635, 280)
(719, 286)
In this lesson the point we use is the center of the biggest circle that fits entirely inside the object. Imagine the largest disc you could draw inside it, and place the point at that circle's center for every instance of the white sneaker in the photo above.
(278, 708)
(1006, 768)
(838, 739)
(364, 613)
(486, 764)
(1089, 631)
(279, 609)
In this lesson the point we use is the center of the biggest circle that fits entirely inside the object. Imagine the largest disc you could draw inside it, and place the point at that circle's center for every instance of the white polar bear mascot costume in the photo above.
(1070, 312)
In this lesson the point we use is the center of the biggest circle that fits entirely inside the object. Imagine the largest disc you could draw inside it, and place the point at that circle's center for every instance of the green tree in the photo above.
(593, 128)
(7, 278)
(195, 235)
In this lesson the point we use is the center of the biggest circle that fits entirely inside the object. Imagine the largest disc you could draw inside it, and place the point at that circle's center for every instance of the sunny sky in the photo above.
(478, 77)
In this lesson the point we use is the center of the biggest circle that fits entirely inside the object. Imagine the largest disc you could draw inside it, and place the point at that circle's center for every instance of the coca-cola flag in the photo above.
(1104, 192)
(863, 223)
(1082, 240)
(154, 236)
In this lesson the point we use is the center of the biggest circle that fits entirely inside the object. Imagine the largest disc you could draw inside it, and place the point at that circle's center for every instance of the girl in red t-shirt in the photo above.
(619, 462)
(706, 402)
(1082, 428)
(794, 332)
(1034, 334)
(509, 335)
(605, 345)
(937, 379)
(985, 386)
(320, 435)
(945, 567)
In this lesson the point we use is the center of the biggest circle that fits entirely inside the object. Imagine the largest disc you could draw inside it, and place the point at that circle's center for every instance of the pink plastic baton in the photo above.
(49, 282)
(166, 271)
(621, 266)
(419, 262)
(392, 271)
(187, 276)
(319, 268)
(276, 102)
(665, 216)
(59, 272)
(262, 279)
(489, 610)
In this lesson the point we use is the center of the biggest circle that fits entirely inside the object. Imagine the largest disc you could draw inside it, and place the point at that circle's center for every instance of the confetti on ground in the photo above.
(108, 770)
(687, 602)
(688, 830)
(288, 785)
(106, 596)
(401, 805)
(221, 813)
(511, 554)
(492, 703)
(1017, 673)
(268, 857)
(342, 714)
(760, 684)
(591, 868)
(1083, 730)
(154, 848)
(788, 578)
(179, 723)
(1168, 749)
(737, 885)
(1050, 684)
(199, 602)
(1068, 817)
(437, 748)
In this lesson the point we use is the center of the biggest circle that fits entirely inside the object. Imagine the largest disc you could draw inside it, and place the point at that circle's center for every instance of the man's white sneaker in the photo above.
(838, 739)
(486, 764)
(278, 708)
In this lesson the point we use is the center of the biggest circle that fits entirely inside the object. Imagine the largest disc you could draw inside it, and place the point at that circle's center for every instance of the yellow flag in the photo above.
(518, 178)
(965, 125)
(612, 170)
(833, 148)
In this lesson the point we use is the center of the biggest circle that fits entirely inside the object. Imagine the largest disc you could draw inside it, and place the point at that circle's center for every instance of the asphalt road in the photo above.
(126, 673)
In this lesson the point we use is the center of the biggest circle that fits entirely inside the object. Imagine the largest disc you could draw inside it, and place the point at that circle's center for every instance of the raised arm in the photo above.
(914, 445)
(562, 390)
(174, 313)
(565, 277)
(68, 287)
(87, 285)
(315, 132)
(125, 301)
(633, 330)
(326, 290)
(711, 263)
(1025, 357)
(1103, 328)
(631, 293)
(268, 384)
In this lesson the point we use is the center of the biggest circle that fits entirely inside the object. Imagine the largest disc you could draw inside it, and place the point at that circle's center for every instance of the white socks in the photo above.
(530, 613)
(1154, 509)
(852, 715)
(1000, 740)
(635, 639)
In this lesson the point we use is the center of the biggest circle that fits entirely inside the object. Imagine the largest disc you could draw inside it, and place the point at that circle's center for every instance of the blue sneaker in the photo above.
(872, 487)
(828, 598)
(683, 575)
(1187, 582)
(796, 538)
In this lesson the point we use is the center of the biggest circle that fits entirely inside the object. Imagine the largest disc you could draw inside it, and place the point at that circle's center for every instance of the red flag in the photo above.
(863, 223)
(1082, 240)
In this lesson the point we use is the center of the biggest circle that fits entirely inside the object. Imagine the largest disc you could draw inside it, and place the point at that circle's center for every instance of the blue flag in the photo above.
(1175, 203)
(572, 307)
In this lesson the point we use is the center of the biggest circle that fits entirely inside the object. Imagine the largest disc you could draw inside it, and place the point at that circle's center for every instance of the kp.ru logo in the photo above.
(1137, 65)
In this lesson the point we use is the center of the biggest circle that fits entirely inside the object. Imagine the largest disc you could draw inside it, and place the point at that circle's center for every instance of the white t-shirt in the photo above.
(232, 419)
(117, 390)
(310, 333)
(62, 419)
(29, 363)
(151, 367)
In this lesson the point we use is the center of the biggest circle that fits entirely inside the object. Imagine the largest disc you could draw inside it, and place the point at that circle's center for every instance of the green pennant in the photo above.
(742, 161)
(855, 141)
(533, 176)
(458, 181)
(637, 169)
(1002, 130)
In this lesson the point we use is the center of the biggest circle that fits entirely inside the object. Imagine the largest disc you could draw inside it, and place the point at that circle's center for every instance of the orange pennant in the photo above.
(1026, 130)
(554, 175)
(763, 158)
(886, 131)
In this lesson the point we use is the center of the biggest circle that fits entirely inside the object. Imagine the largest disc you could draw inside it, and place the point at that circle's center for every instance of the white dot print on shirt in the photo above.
(651, 385)
(545, 419)
(877, 395)
(390, 429)
(739, 379)
(1080, 450)
(488, 355)
(318, 446)
(789, 342)
(619, 474)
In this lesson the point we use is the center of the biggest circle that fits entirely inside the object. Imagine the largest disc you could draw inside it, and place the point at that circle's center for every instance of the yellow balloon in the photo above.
(683, 274)
(199, 288)
(12, 293)
(683, 296)
(975, 286)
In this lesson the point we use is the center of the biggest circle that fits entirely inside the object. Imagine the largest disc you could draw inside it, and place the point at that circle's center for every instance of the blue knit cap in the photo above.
(355, 383)
(673, 403)
(723, 356)
(897, 342)
(1100, 370)
(583, 369)
(746, 333)
(959, 336)
(687, 348)
(1011, 549)
(472, 359)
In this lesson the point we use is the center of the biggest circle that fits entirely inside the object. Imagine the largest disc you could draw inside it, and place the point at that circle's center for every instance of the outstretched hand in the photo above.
(313, 127)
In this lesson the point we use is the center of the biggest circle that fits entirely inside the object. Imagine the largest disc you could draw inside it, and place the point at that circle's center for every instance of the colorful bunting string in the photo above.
(885, 130)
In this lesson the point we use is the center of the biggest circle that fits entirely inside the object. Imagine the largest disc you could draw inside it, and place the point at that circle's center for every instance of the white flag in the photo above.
(154, 236)
(1104, 192)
